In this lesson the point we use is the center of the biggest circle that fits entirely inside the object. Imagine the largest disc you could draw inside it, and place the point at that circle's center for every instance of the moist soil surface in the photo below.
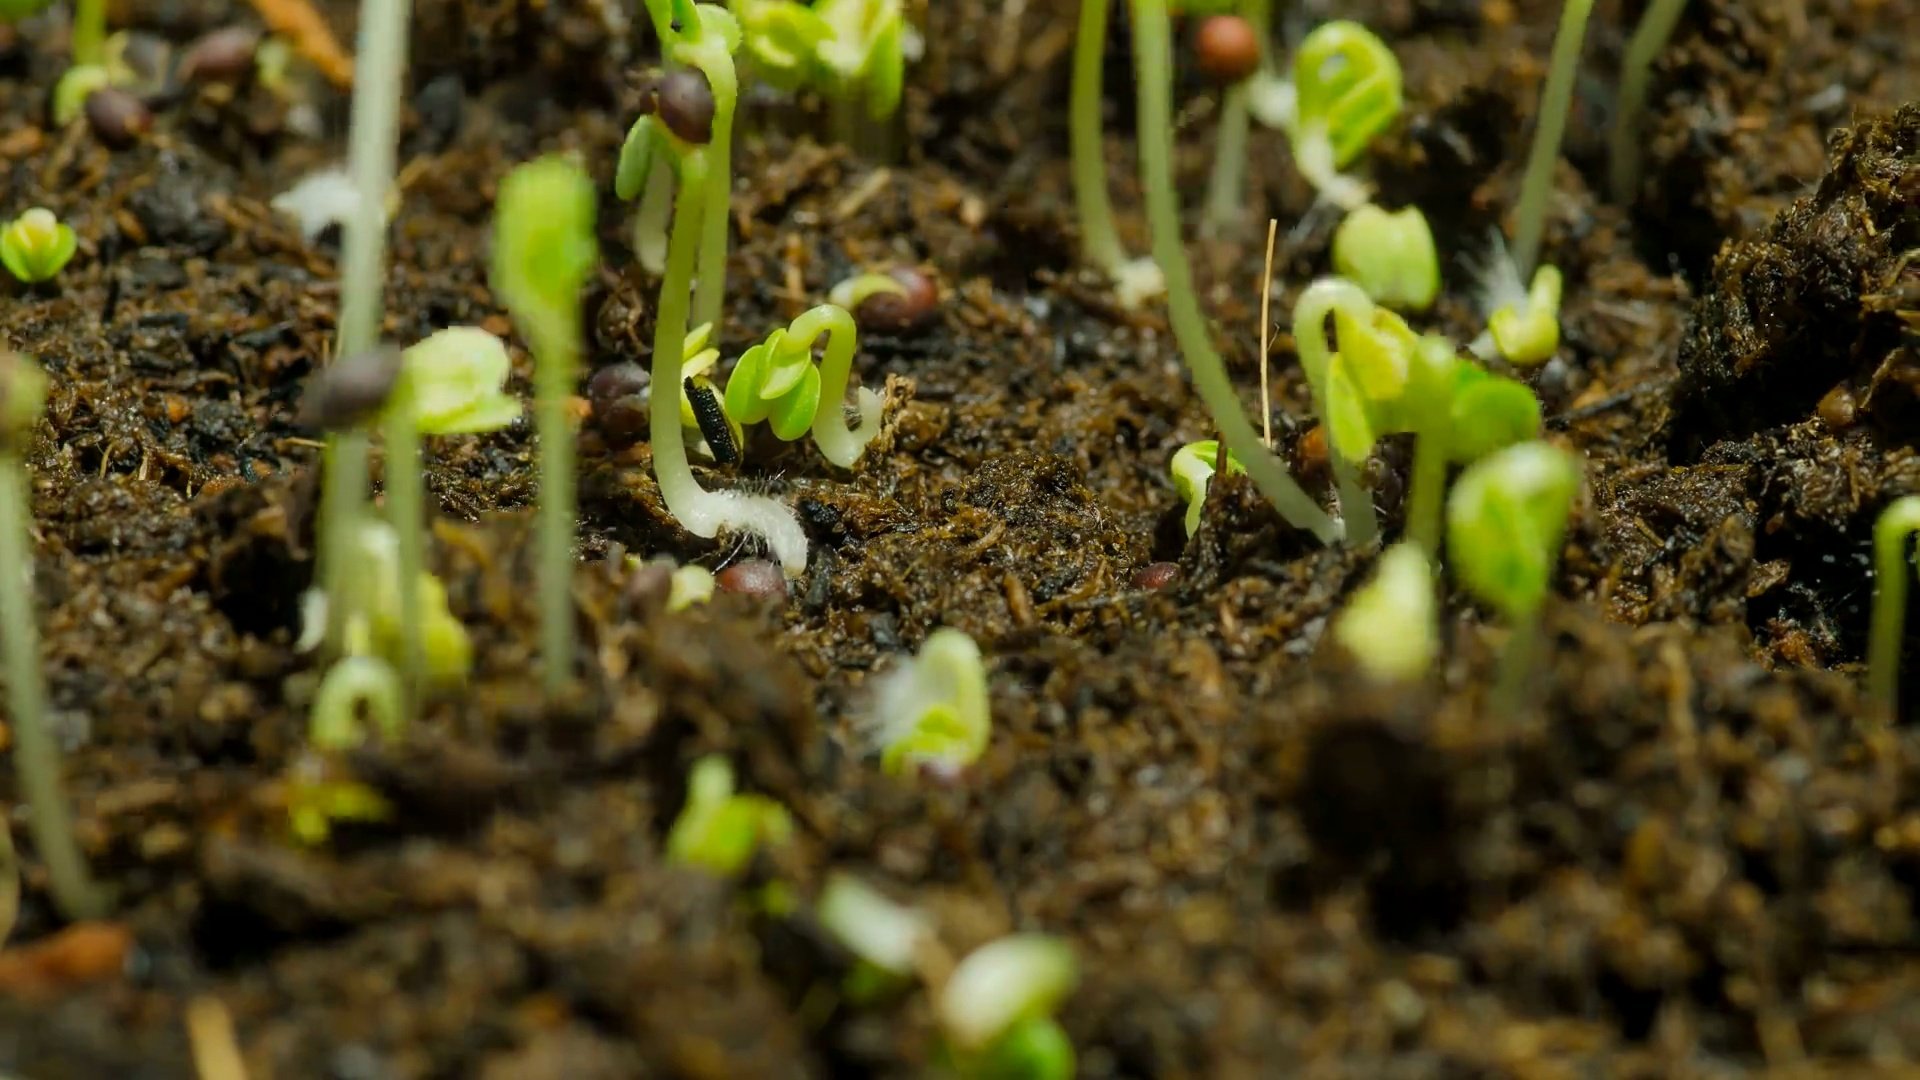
(1697, 855)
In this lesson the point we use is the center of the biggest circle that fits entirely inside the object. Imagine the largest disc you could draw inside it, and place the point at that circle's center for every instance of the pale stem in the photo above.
(837, 443)
(1537, 186)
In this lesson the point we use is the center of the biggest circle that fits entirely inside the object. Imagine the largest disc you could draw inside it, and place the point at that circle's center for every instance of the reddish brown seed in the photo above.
(1838, 409)
(118, 118)
(685, 104)
(616, 393)
(1156, 576)
(224, 55)
(753, 577)
(1311, 450)
(1226, 48)
(348, 391)
(900, 313)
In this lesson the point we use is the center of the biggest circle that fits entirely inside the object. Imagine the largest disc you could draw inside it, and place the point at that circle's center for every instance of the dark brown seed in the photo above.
(118, 118)
(1838, 409)
(1226, 48)
(348, 391)
(753, 577)
(616, 381)
(1156, 576)
(224, 55)
(900, 313)
(686, 105)
(649, 585)
(623, 421)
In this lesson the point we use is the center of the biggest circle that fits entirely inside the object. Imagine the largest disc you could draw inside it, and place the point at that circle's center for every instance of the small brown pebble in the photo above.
(900, 313)
(1226, 48)
(1838, 409)
(752, 577)
(1311, 449)
(351, 389)
(1156, 576)
(82, 953)
(224, 55)
(615, 381)
(685, 104)
(118, 118)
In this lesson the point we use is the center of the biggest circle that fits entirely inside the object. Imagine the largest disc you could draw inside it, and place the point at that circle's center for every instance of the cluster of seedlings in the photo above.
(1484, 489)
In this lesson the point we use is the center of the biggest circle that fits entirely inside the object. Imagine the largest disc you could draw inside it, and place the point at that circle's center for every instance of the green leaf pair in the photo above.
(36, 246)
(776, 382)
(1506, 519)
(1347, 85)
(1193, 467)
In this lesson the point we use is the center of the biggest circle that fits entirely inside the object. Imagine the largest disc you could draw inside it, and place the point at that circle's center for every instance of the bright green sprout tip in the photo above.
(932, 712)
(1891, 533)
(37, 245)
(1390, 254)
(718, 830)
(999, 986)
(1193, 467)
(1346, 91)
(1390, 624)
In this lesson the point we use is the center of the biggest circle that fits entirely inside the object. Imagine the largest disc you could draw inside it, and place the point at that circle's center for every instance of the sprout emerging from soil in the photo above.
(370, 610)
(718, 830)
(701, 512)
(1358, 390)
(1636, 68)
(1897, 523)
(931, 712)
(1390, 254)
(36, 246)
(1135, 280)
(36, 754)
(353, 683)
(1346, 90)
(996, 1010)
(1193, 467)
(1389, 624)
(379, 65)
(1459, 413)
(1154, 83)
(1230, 50)
(885, 938)
(778, 382)
(865, 60)
(1506, 519)
(543, 250)
(1524, 321)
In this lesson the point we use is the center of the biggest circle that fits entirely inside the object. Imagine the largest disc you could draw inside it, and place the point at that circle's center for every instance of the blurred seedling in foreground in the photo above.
(1390, 624)
(719, 830)
(1892, 534)
(1506, 523)
(996, 1010)
(931, 712)
(36, 246)
(36, 752)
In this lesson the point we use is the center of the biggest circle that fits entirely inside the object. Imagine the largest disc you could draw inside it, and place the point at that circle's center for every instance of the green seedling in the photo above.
(1897, 523)
(1357, 390)
(36, 754)
(694, 107)
(1523, 322)
(1193, 467)
(1390, 624)
(379, 63)
(931, 712)
(317, 799)
(75, 86)
(36, 246)
(1506, 520)
(1226, 187)
(1390, 254)
(1346, 90)
(718, 830)
(1154, 83)
(12, 11)
(543, 250)
(886, 939)
(452, 383)
(351, 684)
(865, 58)
(777, 382)
(682, 142)
(1136, 280)
(782, 40)
(1460, 413)
(996, 1009)
(368, 611)
(1636, 68)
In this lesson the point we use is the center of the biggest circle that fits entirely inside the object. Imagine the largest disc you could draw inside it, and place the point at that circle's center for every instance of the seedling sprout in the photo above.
(36, 754)
(1231, 49)
(931, 712)
(1346, 91)
(1135, 280)
(1390, 624)
(777, 382)
(1636, 68)
(1154, 86)
(1193, 467)
(1506, 519)
(1891, 565)
(996, 1010)
(718, 830)
(884, 937)
(865, 57)
(36, 246)
(1460, 413)
(353, 683)
(1390, 254)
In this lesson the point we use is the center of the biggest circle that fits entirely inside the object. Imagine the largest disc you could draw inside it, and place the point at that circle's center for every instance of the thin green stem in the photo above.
(554, 373)
(1536, 187)
(1426, 497)
(1099, 237)
(1890, 569)
(406, 507)
(1356, 502)
(836, 441)
(650, 222)
(1636, 69)
(1511, 690)
(379, 66)
(89, 31)
(36, 757)
(1227, 187)
(1310, 312)
(1152, 54)
(710, 289)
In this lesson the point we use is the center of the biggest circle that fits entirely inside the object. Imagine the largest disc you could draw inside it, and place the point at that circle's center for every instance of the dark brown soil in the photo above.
(1701, 858)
